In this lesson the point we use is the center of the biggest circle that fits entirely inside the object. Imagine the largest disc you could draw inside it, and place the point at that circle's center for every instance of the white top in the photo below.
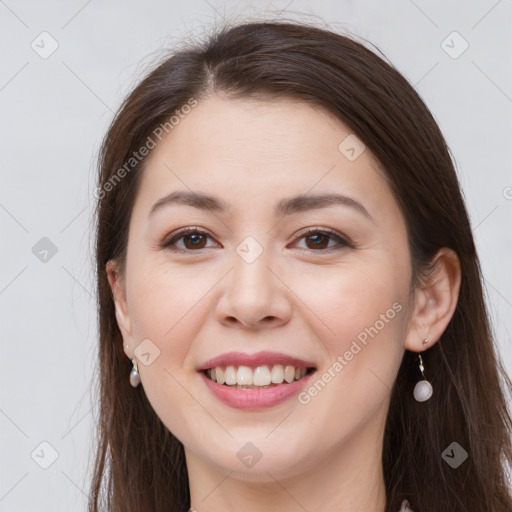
(405, 507)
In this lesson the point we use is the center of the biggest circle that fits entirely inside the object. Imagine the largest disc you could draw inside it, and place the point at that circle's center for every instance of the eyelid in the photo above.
(342, 240)
(180, 233)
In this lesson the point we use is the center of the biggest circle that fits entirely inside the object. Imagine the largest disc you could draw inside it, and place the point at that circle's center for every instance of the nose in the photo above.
(255, 295)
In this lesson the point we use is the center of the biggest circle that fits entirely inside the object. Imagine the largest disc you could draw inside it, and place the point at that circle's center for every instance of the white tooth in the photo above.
(220, 375)
(213, 374)
(261, 376)
(297, 373)
(289, 374)
(209, 372)
(230, 375)
(303, 372)
(244, 376)
(277, 374)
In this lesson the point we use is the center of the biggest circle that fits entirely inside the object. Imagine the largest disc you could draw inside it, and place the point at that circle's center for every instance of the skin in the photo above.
(294, 298)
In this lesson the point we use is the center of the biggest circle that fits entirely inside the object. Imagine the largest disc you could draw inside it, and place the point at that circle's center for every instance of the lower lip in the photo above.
(254, 398)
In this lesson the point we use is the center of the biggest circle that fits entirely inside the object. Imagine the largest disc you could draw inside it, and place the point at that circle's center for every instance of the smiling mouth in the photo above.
(256, 377)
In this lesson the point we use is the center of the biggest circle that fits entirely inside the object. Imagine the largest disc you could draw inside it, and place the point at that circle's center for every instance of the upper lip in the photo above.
(256, 359)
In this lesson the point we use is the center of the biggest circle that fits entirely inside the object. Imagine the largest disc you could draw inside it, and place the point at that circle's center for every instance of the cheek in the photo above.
(359, 317)
(342, 302)
(164, 308)
(165, 305)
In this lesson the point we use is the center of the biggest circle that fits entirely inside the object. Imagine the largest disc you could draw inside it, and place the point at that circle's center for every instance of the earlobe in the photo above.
(436, 300)
(119, 296)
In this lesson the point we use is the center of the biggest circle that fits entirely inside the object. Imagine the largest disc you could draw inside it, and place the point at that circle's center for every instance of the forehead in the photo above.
(248, 150)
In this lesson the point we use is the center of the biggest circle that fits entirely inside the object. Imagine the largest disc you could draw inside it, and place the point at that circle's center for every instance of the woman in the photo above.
(290, 302)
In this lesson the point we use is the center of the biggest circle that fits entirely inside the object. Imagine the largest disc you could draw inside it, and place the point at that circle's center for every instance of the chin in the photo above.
(259, 461)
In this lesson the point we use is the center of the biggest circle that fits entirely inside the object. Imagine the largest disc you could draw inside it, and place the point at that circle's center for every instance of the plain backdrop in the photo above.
(65, 68)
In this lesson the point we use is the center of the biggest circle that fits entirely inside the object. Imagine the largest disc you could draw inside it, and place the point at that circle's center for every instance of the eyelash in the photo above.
(170, 243)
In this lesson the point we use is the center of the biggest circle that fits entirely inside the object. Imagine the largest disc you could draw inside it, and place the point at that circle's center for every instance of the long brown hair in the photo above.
(140, 466)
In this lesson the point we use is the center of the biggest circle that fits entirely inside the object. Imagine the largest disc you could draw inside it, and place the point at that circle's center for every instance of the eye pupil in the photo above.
(316, 244)
(196, 239)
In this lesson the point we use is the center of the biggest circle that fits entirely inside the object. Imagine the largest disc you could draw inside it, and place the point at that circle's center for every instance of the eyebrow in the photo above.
(287, 206)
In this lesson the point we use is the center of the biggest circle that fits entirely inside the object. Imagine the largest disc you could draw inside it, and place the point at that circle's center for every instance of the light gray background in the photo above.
(54, 113)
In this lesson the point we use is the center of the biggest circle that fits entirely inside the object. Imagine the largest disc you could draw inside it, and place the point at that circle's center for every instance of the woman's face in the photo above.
(250, 287)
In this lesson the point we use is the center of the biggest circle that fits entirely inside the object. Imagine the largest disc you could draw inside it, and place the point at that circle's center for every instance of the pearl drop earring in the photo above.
(423, 389)
(134, 374)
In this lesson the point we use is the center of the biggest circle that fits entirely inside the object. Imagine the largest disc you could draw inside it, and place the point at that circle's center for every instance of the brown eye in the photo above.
(317, 240)
(193, 239)
(196, 241)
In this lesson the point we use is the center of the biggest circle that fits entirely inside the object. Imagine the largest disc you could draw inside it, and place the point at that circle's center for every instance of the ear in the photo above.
(118, 287)
(435, 301)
